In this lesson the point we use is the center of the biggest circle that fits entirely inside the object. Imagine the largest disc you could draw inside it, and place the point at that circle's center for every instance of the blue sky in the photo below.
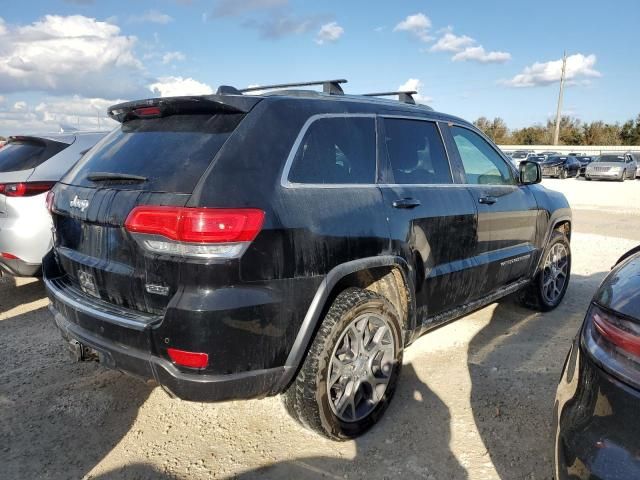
(65, 61)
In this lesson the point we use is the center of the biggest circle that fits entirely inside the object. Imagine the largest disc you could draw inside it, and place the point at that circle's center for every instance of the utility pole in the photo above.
(556, 134)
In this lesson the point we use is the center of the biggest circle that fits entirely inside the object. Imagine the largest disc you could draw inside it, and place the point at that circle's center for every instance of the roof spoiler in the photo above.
(182, 105)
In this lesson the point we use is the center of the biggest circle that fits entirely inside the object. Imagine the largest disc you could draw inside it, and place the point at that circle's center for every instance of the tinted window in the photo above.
(336, 150)
(171, 152)
(482, 164)
(415, 152)
(23, 155)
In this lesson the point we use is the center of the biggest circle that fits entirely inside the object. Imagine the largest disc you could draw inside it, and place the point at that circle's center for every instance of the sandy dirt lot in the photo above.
(474, 400)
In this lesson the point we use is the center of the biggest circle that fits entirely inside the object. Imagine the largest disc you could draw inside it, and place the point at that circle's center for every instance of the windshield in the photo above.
(520, 155)
(611, 159)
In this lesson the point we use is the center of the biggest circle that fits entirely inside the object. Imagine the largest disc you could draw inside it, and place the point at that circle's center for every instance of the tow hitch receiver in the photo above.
(81, 353)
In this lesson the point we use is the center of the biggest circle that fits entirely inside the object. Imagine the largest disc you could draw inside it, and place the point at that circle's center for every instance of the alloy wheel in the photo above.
(555, 273)
(360, 367)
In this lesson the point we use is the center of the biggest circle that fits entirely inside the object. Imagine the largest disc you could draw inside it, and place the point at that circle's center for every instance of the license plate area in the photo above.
(88, 283)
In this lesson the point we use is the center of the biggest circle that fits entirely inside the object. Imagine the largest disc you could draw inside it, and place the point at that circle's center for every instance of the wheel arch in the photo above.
(386, 275)
(561, 224)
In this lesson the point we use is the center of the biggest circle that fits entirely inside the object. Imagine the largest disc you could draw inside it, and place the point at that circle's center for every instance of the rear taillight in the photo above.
(26, 189)
(188, 359)
(195, 232)
(614, 343)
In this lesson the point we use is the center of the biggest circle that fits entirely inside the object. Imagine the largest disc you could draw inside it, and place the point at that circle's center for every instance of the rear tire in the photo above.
(547, 289)
(362, 382)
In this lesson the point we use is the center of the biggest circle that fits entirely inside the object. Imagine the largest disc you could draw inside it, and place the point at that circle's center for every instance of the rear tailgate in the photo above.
(159, 159)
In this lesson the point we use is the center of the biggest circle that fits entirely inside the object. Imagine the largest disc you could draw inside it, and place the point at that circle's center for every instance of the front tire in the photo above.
(547, 289)
(623, 176)
(351, 370)
(563, 174)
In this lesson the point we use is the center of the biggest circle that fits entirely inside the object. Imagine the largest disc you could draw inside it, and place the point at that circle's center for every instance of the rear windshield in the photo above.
(27, 154)
(171, 152)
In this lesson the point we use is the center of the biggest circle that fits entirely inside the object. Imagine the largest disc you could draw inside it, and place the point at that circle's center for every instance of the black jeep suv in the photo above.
(232, 246)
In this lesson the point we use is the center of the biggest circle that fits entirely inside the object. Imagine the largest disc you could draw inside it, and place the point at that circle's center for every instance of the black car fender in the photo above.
(323, 296)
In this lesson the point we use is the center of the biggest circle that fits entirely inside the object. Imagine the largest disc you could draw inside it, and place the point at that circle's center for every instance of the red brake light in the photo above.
(627, 341)
(197, 225)
(188, 359)
(147, 112)
(8, 256)
(28, 189)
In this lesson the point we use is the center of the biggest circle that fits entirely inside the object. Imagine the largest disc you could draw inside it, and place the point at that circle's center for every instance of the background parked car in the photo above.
(584, 161)
(598, 398)
(548, 154)
(520, 155)
(29, 167)
(612, 166)
(560, 167)
(636, 158)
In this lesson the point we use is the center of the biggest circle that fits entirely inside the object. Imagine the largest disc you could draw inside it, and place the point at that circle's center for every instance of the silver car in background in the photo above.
(612, 166)
(29, 167)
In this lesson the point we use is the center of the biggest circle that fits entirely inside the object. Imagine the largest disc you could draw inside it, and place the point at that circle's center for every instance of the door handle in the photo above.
(488, 200)
(406, 203)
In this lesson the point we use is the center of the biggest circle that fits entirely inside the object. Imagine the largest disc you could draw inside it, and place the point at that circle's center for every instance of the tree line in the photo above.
(572, 132)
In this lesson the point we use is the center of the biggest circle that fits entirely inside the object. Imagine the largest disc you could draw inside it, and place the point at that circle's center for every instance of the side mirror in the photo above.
(530, 172)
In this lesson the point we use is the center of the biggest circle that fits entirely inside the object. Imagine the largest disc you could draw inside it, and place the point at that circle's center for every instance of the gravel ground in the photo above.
(474, 400)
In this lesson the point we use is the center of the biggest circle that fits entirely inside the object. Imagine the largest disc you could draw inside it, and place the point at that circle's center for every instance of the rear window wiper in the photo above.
(115, 177)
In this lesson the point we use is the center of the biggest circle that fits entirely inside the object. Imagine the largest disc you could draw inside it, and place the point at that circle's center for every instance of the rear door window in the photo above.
(336, 150)
(171, 152)
(27, 154)
(415, 152)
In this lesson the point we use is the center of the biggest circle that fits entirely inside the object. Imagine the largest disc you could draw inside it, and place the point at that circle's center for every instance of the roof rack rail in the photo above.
(404, 97)
(332, 87)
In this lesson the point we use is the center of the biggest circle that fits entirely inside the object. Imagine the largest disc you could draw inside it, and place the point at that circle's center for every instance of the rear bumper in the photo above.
(19, 268)
(136, 357)
(597, 423)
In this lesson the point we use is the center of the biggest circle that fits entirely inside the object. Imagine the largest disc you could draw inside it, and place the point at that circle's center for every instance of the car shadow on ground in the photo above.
(61, 440)
(413, 400)
(512, 401)
(16, 292)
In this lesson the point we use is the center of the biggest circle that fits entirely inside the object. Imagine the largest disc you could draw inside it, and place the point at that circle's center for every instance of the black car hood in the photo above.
(620, 291)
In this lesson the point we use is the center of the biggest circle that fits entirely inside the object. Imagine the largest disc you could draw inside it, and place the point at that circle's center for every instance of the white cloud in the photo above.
(74, 54)
(329, 32)
(151, 16)
(418, 25)
(176, 86)
(579, 68)
(170, 57)
(450, 42)
(3, 28)
(478, 54)
(53, 113)
(414, 84)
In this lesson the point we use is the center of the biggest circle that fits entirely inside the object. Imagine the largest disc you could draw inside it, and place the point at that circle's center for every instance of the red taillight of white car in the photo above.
(614, 342)
(25, 189)
(195, 232)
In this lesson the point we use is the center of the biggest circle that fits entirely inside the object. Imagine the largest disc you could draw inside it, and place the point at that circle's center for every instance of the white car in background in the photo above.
(29, 167)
